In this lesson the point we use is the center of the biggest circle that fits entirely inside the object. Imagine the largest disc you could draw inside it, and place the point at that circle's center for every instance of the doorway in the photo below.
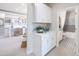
(67, 31)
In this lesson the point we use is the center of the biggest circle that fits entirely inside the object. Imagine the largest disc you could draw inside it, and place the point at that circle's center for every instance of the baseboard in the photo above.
(50, 50)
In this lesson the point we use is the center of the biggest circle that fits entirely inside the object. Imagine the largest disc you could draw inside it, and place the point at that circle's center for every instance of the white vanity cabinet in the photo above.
(40, 44)
(51, 40)
(37, 45)
(42, 13)
(43, 43)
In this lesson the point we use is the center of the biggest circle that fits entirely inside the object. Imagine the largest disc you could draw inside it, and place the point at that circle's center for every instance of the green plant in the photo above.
(39, 29)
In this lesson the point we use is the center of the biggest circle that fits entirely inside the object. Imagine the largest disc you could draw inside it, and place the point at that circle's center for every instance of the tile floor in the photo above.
(66, 48)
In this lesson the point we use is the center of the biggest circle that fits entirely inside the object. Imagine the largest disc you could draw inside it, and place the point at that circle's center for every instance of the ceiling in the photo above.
(20, 8)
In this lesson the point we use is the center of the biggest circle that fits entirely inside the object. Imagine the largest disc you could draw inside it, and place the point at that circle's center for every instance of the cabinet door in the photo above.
(51, 40)
(37, 45)
(44, 45)
(43, 12)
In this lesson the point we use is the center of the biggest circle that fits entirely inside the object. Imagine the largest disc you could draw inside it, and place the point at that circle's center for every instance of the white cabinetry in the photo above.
(51, 40)
(42, 43)
(37, 45)
(42, 12)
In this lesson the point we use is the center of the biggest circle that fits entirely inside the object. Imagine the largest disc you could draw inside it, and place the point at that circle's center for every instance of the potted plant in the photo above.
(39, 29)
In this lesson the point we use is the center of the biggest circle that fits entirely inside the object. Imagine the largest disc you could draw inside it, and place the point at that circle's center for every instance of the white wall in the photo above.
(30, 19)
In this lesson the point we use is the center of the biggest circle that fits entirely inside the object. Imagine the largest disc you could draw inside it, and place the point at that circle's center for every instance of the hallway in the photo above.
(66, 48)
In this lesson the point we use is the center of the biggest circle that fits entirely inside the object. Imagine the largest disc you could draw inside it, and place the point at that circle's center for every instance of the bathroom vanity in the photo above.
(44, 38)
(43, 43)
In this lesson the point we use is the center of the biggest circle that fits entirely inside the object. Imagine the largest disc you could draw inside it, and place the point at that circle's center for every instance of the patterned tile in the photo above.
(66, 48)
